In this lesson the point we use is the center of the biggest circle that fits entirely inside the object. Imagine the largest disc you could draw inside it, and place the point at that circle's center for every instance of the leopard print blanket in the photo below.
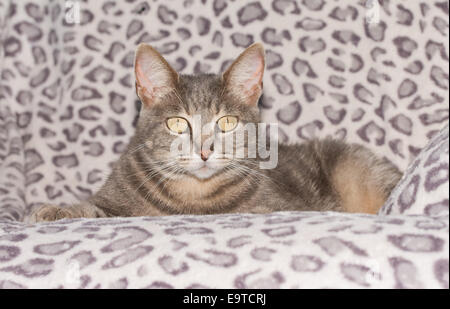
(370, 72)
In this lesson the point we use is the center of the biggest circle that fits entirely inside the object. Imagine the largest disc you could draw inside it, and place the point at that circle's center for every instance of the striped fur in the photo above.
(147, 180)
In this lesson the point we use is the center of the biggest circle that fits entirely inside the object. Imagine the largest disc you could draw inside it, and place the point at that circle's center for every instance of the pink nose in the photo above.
(204, 154)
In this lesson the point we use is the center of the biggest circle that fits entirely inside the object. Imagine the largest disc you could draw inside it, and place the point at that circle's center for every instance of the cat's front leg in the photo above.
(53, 213)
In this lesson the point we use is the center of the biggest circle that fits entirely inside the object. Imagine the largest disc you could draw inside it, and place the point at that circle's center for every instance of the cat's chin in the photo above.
(203, 173)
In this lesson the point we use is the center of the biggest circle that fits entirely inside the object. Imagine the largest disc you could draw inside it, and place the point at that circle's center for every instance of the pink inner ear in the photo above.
(144, 83)
(254, 80)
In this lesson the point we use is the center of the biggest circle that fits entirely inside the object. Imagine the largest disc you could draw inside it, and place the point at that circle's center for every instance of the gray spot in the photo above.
(250, 13)
(290, 113)
(306, 263)
(417, 242)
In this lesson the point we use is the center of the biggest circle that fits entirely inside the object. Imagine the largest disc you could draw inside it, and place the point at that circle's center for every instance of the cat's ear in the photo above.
(155, 78)
(243, 79)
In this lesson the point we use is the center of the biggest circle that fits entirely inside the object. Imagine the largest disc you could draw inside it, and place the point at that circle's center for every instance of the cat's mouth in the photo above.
(205, 171)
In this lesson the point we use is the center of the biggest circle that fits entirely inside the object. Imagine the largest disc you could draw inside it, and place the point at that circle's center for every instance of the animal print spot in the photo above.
(215, 258)
(311, 92)
(346, 36)
(360, 274)
(436, 209)
(32, 32)
(134, 27)
(311, 24)
(219, 6)
(310, 130)
(375, 31)
(252, 281)
(8, 253)
(68, 161)
(407, 88)
(11, 46)
(441, 272)
(171, 266)
(314, 5)
(83, 258)
(51, 229)
(166, 16)
(280, 231)
(273, 59)
(406, 274)
(432, 48)
(402, 124)
(242, 40)
(333, 246)
(362, 93)
(372, 130)
(300, 66)
(136, 235)
(416, 242)
(357, 63)
(290, 113)
(129, 256)
(188, 231)
(284, 7)
(436, 177)
(84, 93)
(32, 268)
(262, 254)
(439, 77)
(311, 45)
(272, 37)
(250, 13)
(283, 85)
(404, 16)
(335, 116)
(405, 46)
(239, 241)
(414, 67)
(306, 263)
(56, 248)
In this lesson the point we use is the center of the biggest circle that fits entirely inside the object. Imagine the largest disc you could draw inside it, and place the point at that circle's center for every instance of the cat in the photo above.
(150, 180)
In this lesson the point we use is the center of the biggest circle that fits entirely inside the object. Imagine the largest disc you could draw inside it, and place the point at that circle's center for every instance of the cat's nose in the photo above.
(205, 154)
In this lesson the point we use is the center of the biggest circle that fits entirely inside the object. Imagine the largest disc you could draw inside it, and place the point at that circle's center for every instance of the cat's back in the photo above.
(325, 174)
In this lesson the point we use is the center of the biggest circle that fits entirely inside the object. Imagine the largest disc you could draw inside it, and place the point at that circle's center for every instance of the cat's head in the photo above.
(201, 111)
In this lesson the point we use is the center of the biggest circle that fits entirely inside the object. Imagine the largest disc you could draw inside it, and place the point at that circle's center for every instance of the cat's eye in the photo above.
(177, 125)
(227, 123)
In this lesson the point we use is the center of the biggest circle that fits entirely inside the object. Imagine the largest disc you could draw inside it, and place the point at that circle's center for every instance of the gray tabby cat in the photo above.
(150, 180)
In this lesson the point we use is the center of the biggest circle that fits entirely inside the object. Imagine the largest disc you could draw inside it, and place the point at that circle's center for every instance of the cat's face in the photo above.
(197, 126)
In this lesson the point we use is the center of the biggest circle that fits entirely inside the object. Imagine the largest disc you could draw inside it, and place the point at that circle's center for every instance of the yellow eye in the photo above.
(227, 123)
(177, 125)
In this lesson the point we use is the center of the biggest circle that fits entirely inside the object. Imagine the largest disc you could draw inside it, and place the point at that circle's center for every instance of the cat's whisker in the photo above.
(152, 174)
(254, 172)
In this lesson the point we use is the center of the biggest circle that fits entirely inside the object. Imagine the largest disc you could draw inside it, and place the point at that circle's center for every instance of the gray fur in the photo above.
(305, 178)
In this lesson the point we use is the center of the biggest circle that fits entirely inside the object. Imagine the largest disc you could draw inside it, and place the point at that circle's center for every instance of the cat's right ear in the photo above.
(244, 78)
(155, 78)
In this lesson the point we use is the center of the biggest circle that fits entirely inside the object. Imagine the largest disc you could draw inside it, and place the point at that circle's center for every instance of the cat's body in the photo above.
(149, 180)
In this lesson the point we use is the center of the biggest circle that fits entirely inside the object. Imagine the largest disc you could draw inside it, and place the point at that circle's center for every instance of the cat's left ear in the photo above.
(244, 77)
(155, 78)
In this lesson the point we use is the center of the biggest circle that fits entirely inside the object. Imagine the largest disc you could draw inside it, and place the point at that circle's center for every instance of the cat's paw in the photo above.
(49, 213)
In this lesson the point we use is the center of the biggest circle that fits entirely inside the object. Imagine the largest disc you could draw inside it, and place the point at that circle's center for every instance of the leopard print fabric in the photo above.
(424, 188)
(67, 100)
(68, 107)
(278, 250)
